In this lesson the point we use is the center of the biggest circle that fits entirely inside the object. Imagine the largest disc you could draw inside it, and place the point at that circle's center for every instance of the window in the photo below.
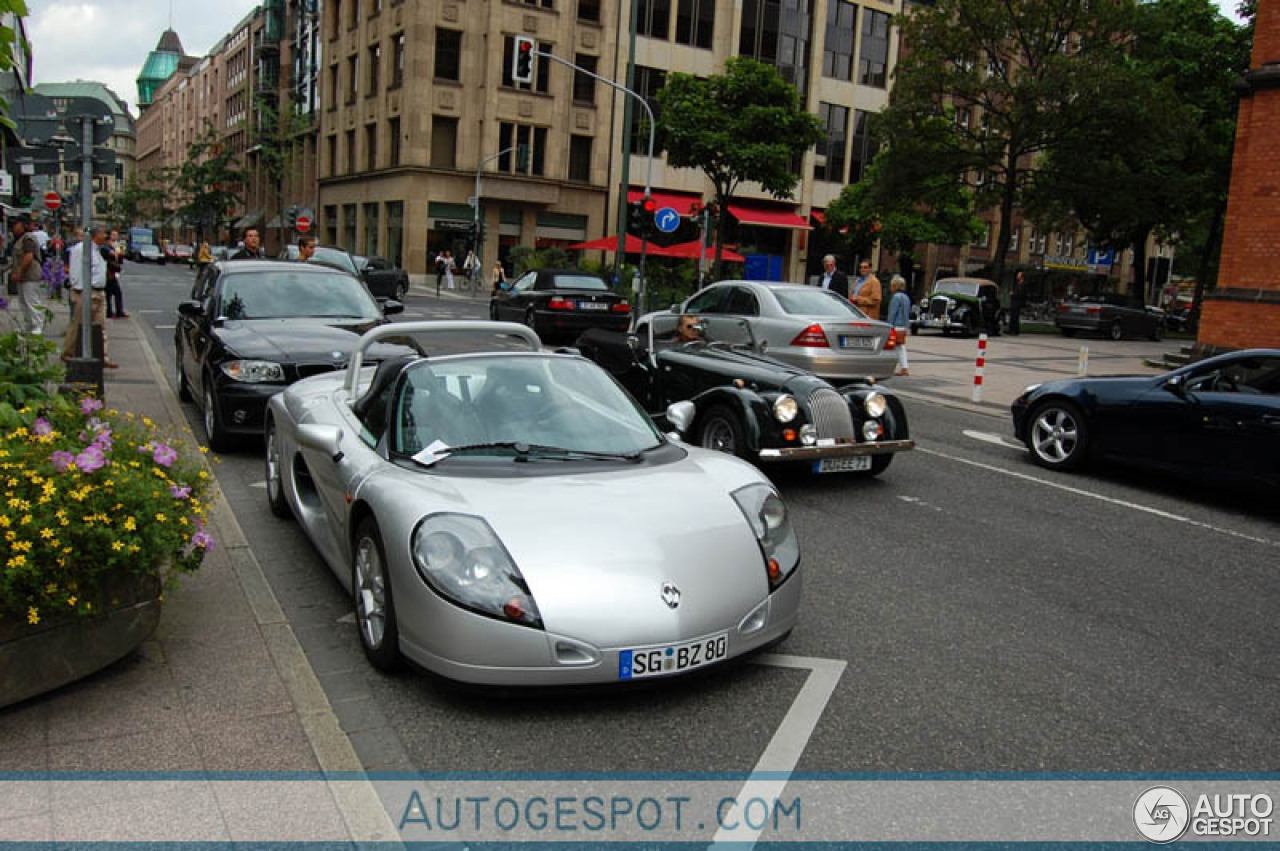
(1057, 243)
(515, 135)
(649, 81)
(776, 32)
(837, 55)
(349, 227)
(1013, 238)
(835, 119)
(393, 141)
(331, 156)
(370, 229)
(653, 18)
(584, 87)
(371, 146)
(589, 10)
(444, 141)
(541, 68)
(335, 20)
(546, 4)
(375, 6)
(331, 224)
(448, 55)
(351, 152)
(963, 116)
(353, 78)
(695, 22)
(580, 158)
(397, 61)
(353, 16)
(1069, 244)
(332, 99)
(874, 60)
(375, 66)
(863, 151)
(394, 248)
(984, 239)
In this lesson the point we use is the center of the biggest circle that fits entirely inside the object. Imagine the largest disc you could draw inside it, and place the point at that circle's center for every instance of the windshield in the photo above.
(284, 293)
(811, 301)
(691, 332)
(547, 402)
(956, 288)
(335, 258)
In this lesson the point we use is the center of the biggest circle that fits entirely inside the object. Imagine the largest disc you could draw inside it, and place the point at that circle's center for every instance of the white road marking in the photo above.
(262, 484)
(915, 500)
(997, 439)
(165, 327)
(151, 311)
(787, 745)
(1123, 503)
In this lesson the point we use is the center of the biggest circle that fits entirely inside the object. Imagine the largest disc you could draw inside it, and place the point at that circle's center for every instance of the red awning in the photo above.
(610, 243)
(819, 217)
(773, 217)
(680, 201)
(690, 250)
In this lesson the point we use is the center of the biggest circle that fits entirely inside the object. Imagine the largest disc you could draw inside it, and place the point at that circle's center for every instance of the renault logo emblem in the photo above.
(670, 595)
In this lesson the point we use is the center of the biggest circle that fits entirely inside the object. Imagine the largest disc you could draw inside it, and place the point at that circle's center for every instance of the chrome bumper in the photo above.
(839, 450)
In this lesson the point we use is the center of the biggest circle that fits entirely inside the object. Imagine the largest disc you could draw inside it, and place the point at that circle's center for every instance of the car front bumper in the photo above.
(943, 324)
(242, 407)
(838, 450)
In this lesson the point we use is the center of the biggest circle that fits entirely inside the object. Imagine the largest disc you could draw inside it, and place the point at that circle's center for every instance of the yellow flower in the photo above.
(22, 546)
(33, 617)
(160, 518)
(14, 502)
(182, 520)
(133, 548)
(108, 483)
(130, 524)
(46, 533)
(204, 450)
(146, 421)
(4, 453)
(51, 588)
(26, 518)
(4, 521)
(17, 561)
(13, 483)
(10, 535)
(202, 474)
(135, 464)
(21, 431)
(71, 601)
(117, 546)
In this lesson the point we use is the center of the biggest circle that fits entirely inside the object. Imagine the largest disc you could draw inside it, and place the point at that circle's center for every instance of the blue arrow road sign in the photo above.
(667, 219)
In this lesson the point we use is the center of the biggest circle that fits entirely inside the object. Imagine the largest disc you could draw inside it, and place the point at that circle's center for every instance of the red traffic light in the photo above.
(650, 205)
(525, 45)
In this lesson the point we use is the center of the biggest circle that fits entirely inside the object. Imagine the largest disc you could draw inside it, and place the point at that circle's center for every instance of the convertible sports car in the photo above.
(748, 404)
(1217, 418)
(511, 517)
(253, 326)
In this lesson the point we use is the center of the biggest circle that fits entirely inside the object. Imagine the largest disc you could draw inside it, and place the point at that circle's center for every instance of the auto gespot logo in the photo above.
(1163, 815)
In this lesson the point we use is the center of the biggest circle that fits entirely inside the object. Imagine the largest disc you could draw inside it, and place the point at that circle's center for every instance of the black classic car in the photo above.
(746, 403)
(253, 326)
(1217, 418)
(1112, 315)
(561, 302)
(960, 305)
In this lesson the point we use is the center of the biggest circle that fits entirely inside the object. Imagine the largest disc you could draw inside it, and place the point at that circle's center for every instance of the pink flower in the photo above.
(41, 427)
(165, 455)
(91, 459)
(179, 493)
(202, 539)
(89, 404)
(61, 460)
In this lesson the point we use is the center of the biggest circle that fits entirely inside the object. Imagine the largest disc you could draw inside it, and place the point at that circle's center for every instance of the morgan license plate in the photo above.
(844, 464)
(656, 661)
(857, 342)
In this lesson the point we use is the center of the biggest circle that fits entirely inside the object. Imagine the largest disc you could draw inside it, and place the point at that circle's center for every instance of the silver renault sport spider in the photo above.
(513, 517)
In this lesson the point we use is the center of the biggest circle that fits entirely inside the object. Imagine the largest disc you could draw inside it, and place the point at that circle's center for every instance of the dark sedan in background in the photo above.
(1218, 418)
(251, 327)
(562, 302)
(383, 278)
(1112, 315)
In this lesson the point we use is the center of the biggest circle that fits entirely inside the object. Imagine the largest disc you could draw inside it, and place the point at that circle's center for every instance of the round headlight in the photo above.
(875, 405)
(809, 434)
(785, 409)
(871, 431)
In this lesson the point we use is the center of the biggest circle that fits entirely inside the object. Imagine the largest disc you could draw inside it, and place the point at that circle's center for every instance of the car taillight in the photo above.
(812, 337)
(1094, 309)
(892, 342)
(1063, 307)
(621, 307)
(560, 304)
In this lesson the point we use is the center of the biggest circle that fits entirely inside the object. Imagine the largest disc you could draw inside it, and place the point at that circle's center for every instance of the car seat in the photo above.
(512, 400)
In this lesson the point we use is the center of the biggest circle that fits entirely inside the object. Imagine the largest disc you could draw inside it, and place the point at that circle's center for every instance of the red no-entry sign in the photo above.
(52, 200)
(303, 224)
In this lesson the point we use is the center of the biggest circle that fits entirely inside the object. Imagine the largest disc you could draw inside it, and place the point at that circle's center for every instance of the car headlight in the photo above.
(254, 370)
(785, 409)
(767, 516)
(875, 405)
(461, 558)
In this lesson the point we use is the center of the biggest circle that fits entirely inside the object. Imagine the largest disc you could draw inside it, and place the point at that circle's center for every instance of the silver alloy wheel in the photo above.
(1117, 333)
(718, 434)
(273, 465)
(210, 416)
(1055, 435)
(371, 595)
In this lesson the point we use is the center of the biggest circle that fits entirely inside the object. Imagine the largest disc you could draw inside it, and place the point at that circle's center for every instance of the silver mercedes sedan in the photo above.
(806, 327)
(515, 518)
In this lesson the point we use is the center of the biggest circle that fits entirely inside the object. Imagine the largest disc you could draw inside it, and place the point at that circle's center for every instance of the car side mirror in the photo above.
(321, 438)
(390, 307)
(190, 308)
(504, 286)
(1176, 385)
(680, 415)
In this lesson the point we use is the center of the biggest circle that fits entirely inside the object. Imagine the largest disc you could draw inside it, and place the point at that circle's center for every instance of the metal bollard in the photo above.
(979, 367)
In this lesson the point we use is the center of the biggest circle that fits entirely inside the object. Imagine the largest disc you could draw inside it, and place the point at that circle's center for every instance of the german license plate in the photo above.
(673, 658)
(843, 464)
(857, 342)
(592, 305)
(1075, 308)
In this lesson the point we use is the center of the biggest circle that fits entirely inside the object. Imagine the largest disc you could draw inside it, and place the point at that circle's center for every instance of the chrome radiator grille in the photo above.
(938, 308)
(831, 414)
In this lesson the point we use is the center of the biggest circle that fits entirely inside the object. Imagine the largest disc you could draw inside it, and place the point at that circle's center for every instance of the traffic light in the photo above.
(522, 158)
(522, 61)
(640, 217)
(291, 215)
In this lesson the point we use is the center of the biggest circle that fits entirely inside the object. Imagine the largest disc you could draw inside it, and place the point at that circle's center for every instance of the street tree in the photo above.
(745, 125)
(139, 199)
(280, 150)
(1007, 70)
(8, 39)
(207, 181)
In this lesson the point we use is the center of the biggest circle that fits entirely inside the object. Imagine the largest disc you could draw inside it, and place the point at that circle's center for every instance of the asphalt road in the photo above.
(990, 616)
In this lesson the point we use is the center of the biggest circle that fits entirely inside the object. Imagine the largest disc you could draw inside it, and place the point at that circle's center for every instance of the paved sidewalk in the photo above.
(221, 686)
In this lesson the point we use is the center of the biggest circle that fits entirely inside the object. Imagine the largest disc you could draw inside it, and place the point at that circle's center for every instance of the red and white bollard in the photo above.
(978, 368)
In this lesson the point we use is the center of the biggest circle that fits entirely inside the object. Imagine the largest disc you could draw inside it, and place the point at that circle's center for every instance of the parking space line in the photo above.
(165, 327)
(789, 740)
(1123, 503)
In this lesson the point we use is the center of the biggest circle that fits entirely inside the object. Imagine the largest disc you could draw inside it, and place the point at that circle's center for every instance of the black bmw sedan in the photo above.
(1218, 418)
(561, 302)
(251, 327)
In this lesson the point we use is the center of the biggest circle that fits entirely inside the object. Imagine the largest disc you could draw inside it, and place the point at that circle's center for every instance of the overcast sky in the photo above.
(108, 40)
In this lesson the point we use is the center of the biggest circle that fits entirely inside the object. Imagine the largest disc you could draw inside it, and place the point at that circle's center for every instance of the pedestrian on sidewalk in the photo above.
(865, 291)
(899, 319)
(449, 266)
(499, 277)
(471, 266)
(26, 276)
(115, 295)
(252, 249)
(832, 278)
(97, 296)
(203, 257)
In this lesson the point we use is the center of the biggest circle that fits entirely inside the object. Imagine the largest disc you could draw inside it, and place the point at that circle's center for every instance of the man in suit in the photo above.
(832, 278)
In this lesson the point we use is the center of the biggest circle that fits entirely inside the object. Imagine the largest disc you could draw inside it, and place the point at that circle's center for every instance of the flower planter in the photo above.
(38, 658)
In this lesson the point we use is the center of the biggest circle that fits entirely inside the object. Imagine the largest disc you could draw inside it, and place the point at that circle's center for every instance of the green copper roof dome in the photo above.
(160, 65)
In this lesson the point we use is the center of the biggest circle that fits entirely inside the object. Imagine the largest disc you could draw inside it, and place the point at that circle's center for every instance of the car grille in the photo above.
(938, 308)
(306, 370)
(831, 414)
